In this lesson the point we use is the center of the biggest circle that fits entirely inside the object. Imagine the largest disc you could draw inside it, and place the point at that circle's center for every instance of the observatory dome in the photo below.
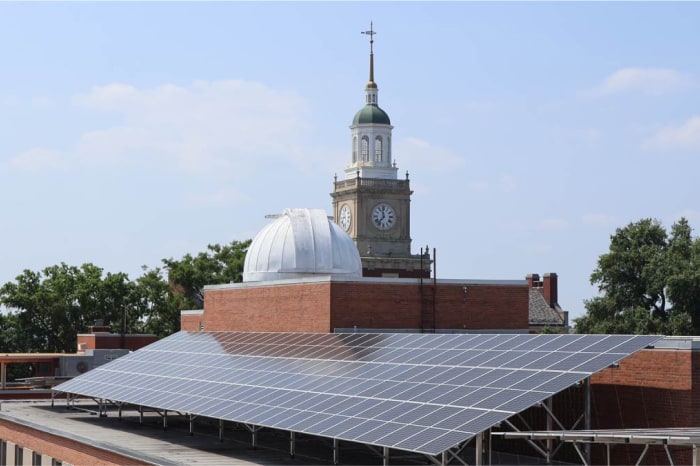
(301, 243)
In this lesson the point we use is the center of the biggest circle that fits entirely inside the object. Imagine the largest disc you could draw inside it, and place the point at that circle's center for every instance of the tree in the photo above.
(217, 265)
(54, 304)
(51, 306)
(155, 306)
(649, 282)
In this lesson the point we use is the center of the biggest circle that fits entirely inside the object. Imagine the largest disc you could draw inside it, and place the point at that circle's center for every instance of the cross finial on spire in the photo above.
(371, 34)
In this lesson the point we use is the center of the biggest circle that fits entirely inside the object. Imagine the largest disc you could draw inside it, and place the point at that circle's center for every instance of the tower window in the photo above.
(378, 149)
(365, 149)
(354, 149)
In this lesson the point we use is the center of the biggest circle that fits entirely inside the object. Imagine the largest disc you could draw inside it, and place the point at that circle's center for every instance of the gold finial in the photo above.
(371, 34)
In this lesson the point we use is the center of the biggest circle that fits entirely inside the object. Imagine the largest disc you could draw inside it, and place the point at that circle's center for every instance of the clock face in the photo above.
(345, 218)
(383, 216)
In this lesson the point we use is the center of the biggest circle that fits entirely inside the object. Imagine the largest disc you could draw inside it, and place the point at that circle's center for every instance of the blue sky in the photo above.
(137, 131)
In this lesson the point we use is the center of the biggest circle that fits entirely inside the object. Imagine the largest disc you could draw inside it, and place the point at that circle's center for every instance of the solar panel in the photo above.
(418, 392)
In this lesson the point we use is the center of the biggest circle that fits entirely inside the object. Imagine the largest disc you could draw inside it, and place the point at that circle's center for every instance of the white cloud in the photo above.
(39, 158)
(598, 219)
(216, 127)
(415, 152)
(651, 81)
(684, 137)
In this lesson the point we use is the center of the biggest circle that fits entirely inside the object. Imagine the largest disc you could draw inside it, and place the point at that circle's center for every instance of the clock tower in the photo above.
(371, 204)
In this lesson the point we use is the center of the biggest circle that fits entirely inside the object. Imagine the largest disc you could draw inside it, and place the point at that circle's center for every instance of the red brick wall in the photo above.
(651, 388)
(61, 448)
(322, 307)
(303, 307)
(375, 305)
(392, 305)
(190, 323)
(114, 341)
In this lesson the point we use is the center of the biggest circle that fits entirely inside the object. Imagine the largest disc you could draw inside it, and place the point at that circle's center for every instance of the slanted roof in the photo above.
(541, 313)
(424, 393)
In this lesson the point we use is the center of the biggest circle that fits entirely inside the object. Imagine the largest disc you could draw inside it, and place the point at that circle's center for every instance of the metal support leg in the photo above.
(643, 455)
(254, 435)
(336, 451)
(191, 424)
(140, 415)
(580, 454)
(291, 444)
(548, 458)
(120, 411)
(479, 460)
(695, 456)
(165, 420)
(587, 418)
(488, 447)
(385, 456)
(668, 455)
(221, 430)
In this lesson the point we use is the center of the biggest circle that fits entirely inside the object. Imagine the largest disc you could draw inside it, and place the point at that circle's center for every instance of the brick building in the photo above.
(303, 274)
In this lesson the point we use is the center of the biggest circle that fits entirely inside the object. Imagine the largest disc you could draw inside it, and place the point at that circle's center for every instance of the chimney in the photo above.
(549, 288)
(533, 280)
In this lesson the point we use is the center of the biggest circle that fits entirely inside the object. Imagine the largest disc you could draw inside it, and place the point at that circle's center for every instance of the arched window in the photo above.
(378, 149)
(365, 149)
(354, 149)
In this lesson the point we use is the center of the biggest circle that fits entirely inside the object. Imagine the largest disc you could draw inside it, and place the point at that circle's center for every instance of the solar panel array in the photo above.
(424, 393)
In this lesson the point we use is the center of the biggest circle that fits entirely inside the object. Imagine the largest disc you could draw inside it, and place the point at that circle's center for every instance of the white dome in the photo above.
(299, 243)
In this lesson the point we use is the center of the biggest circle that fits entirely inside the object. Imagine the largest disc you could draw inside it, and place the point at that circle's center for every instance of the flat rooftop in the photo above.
(175, 446)
(150, 443)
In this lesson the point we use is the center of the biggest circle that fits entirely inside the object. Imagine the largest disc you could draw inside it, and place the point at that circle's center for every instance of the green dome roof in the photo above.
(371, 114)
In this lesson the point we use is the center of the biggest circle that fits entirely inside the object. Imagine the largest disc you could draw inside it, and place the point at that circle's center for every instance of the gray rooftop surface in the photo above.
(148, 442)
(175, 446)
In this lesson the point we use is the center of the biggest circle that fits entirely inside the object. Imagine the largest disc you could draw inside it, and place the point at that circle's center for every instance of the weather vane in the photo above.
(371, 34)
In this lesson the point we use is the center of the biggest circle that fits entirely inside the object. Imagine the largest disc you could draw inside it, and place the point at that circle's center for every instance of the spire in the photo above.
(371, 88)
(371, 132)
(371, 34)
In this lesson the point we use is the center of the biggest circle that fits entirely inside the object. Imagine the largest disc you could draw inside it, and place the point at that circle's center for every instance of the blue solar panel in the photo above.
(418, 392)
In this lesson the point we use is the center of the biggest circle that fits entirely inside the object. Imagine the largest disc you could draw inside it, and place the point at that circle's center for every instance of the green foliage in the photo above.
(154, 304)
(649, 282)
(58, 301)
(48, 308)
(217, 265)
